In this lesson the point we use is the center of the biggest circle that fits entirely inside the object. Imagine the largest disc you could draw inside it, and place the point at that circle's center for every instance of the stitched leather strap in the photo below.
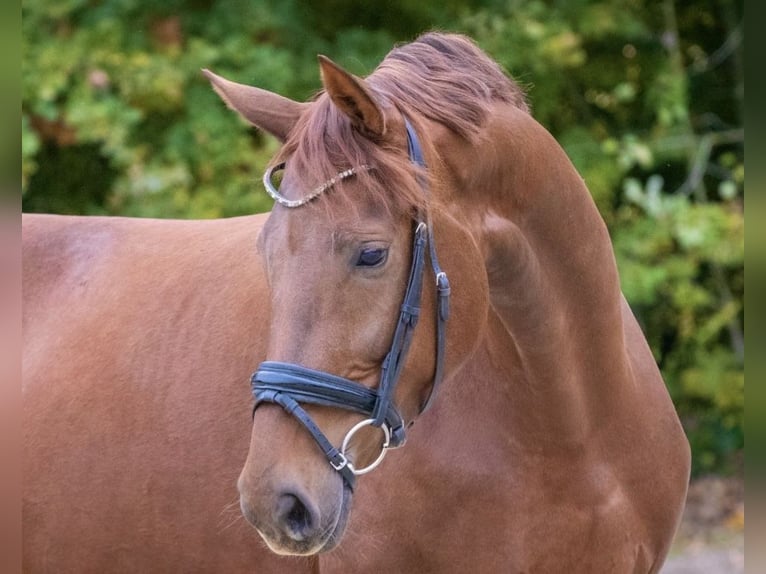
(443, 292)
(337, 460)
(442, 282)
(408, 319)
(320, 388)
(288, 384)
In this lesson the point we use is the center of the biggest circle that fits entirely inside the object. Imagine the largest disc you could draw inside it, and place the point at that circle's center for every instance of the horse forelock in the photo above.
(444, 78)
(323, 143)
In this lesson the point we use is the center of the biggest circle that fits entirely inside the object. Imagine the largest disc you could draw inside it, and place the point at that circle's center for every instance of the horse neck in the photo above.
(555, 330)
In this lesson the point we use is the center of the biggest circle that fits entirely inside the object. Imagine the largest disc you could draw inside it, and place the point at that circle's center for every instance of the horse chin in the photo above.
(340, 525)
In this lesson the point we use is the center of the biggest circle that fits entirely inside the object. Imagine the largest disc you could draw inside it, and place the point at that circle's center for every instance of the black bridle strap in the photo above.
(318, 388)
(288, 384)
(321, 388)
(442, 282)
(443, 292)
(336, 458)
(408, 319)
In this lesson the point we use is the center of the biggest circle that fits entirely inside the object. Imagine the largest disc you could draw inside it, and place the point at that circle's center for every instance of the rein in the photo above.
(289, 385)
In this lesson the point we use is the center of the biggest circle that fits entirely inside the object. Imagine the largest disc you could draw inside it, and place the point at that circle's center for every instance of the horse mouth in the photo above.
(326, 537)
(342, 520)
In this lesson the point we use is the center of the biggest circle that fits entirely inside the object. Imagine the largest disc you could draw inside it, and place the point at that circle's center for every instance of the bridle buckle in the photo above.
(342, 463)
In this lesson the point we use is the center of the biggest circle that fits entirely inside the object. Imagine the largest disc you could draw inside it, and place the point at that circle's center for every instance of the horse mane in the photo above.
(445, 78)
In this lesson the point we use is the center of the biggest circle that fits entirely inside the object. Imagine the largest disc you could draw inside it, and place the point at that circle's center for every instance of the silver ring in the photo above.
(383, 450)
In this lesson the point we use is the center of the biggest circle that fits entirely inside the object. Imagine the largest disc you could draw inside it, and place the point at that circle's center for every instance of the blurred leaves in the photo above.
(645, 96)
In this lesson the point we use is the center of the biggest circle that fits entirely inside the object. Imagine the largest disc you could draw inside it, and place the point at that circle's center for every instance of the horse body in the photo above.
(137, 337)
(552, 446)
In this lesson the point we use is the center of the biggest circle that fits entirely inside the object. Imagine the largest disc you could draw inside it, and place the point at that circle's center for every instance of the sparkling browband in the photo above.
(282, 200)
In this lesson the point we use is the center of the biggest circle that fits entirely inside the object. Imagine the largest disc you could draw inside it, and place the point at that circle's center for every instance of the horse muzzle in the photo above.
(291, 522)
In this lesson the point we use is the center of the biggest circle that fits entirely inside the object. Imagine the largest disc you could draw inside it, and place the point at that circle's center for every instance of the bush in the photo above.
(646, 98)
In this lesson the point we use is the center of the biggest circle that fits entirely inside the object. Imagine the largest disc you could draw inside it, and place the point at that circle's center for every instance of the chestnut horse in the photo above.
(551, 444)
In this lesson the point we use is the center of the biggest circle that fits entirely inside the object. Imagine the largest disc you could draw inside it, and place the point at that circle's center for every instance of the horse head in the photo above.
(355, 349)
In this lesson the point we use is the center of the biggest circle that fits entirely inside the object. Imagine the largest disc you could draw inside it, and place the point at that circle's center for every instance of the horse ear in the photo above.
(265, 110)
(352, 97)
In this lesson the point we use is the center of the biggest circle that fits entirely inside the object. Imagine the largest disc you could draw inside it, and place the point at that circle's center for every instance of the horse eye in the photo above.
(372, 257)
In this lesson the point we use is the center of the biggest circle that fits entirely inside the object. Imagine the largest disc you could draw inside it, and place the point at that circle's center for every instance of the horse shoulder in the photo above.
(139, 337)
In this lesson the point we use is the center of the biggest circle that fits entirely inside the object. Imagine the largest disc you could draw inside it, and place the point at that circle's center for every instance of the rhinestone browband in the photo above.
(282, 200)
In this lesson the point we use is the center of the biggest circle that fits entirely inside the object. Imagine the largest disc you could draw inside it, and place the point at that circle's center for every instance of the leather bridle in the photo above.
(290, 385)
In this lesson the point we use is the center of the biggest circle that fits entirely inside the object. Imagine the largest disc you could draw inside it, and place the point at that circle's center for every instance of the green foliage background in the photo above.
(647, 97)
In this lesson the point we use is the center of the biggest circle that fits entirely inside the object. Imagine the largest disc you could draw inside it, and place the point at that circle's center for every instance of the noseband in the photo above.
(290, 385)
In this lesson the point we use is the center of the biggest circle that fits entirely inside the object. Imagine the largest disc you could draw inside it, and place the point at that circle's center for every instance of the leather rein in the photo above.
(290, 385)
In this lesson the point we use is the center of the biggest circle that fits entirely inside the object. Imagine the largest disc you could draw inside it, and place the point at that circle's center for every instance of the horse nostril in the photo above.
(295, 517)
